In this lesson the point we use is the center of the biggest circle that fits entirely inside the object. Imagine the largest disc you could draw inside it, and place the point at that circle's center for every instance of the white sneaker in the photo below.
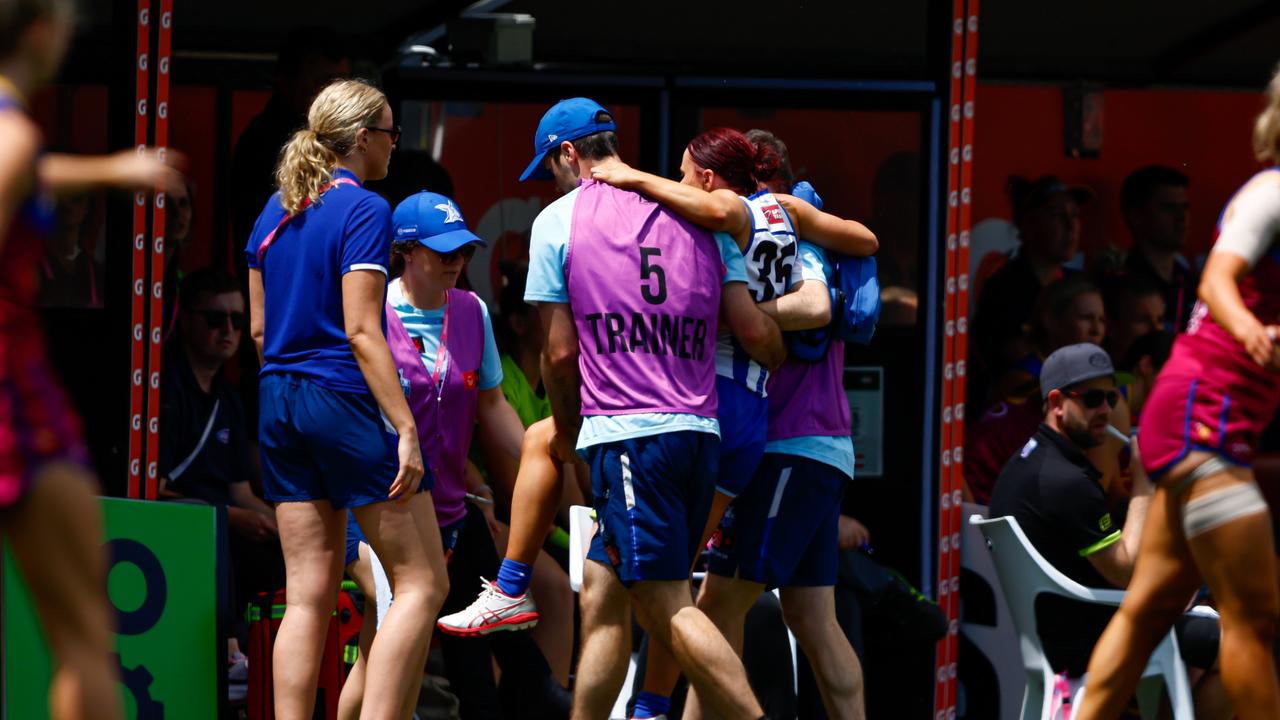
(492, 611)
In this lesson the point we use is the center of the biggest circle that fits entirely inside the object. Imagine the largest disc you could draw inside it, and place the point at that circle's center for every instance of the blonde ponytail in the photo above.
(1266, 128)
(336, 115)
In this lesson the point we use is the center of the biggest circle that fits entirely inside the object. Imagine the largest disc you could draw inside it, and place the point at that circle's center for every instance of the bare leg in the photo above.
(537, 494)
(606, 642)
(706, 657)
(57, 539)
(353, 689)
(726, 602)
(661, 670)
(407, 541)
(810, 612)
(1164, 579)
(1237, 561)
(312, 537)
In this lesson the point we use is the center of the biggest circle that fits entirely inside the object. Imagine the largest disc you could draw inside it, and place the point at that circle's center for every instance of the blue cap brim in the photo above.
(450, 241)
(536, 171)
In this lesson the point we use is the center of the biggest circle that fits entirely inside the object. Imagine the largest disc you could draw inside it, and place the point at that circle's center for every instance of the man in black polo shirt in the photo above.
(1055, 494)
(205, 454)
(1057, 497)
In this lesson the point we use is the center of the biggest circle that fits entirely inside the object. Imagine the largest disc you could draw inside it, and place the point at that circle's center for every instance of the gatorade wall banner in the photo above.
(162, 582)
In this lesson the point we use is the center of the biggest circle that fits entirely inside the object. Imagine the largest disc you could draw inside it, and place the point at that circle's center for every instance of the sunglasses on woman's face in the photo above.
(218, 318)
(466, 252)
(1092, 399)
(393, 131)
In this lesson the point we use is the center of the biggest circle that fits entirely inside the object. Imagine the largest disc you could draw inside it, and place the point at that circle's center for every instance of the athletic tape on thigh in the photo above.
(1220, 507)
(1214, 465)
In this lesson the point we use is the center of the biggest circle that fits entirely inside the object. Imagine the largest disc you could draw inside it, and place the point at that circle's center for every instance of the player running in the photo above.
(1208, 522)
(48, 512)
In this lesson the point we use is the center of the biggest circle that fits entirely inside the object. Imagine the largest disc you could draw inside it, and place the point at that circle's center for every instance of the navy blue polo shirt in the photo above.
(303, 331)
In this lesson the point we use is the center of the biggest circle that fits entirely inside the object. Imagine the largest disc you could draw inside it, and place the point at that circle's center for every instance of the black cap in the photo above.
(1074, 364)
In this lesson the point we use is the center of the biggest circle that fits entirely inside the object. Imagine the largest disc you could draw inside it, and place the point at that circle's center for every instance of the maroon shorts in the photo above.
(1206, 399)
(37, 425)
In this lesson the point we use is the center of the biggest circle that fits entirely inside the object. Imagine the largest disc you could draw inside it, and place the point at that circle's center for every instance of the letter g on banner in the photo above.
(155, 587)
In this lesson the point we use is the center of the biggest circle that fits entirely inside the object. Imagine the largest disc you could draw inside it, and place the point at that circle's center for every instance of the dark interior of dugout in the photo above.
(870, 147)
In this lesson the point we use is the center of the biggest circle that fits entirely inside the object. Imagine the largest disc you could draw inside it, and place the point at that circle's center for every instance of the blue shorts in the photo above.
(784, 529)
(652, 496)
(744, 421)
(448, 535)
(318, 444)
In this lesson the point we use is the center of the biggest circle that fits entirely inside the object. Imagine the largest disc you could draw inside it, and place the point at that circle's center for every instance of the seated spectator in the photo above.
(1058, 498)
(1157, 211)
(1069, 310)
(1046, 213)
(1135, 306)
(205, 454)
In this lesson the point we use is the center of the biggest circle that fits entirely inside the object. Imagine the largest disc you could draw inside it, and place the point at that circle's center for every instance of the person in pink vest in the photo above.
(629, 295)
(443, 346)
(1208, 521)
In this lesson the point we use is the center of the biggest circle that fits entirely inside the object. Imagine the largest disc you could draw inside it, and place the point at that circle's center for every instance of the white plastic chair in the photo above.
(998, 642)
(1024, 576)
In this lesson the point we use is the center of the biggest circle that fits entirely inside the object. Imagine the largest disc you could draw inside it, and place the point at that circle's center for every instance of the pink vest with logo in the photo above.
(445, 414)
(644, 285)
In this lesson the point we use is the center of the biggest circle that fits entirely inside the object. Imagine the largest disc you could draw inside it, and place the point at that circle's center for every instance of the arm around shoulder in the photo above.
(833, 233)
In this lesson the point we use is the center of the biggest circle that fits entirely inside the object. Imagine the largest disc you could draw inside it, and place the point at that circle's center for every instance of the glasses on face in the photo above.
(218, 318)
(1092, 399)
(465, 252)
(393, 131)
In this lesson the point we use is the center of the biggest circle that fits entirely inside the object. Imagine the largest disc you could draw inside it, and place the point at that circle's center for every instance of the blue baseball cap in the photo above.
(566, 120)
(434, 221)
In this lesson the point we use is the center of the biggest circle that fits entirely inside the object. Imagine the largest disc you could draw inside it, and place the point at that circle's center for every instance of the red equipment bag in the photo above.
(265, 613)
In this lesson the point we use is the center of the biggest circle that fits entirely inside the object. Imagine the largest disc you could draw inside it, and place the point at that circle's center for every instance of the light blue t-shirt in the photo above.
(548, 244)
(427, 325)
(834, 451)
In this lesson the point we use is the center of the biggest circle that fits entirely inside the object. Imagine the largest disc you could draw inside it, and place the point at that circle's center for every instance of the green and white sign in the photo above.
(163, 584)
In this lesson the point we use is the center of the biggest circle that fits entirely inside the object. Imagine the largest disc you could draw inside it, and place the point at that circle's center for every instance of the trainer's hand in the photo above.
(407, 480)
(615, 173)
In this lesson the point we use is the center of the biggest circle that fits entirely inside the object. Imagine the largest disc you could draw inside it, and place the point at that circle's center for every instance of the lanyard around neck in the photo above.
(306, 203)
(442, 352)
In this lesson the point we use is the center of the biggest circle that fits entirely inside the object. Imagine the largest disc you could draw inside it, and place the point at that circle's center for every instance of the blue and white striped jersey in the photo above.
(771, 270)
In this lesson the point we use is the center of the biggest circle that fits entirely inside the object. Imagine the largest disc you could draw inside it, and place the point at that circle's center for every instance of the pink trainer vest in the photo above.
(644, 285)
(445, 419)
(808, 398)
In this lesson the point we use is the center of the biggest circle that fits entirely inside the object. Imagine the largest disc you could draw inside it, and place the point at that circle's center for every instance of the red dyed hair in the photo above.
(729, 154)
